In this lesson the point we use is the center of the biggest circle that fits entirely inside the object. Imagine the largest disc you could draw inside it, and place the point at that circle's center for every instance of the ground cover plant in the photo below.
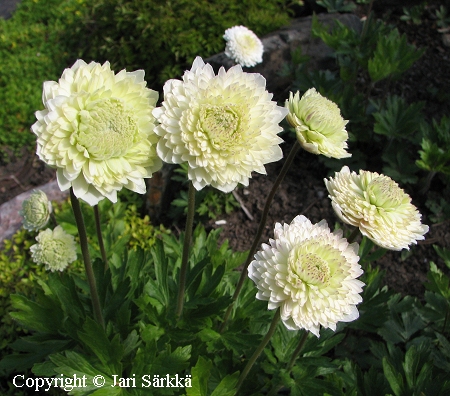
(154, 312)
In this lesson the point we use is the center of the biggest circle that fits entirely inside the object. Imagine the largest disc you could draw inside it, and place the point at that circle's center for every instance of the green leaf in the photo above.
(444, 254)
(394, 378)
(438, 281)
(434, 157)
(63, 286)
(108, 352)
(32, 315)
(33, 349)
(404, 321)
(200, 375)
(227, 387)
(396, 119)
(161, 286)
(392, 56)
(72, 363)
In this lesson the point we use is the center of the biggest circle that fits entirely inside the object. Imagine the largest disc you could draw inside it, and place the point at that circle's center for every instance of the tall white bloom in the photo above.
(318, 124)
(243, 46)
(36, 210)
(97, 131)
(310, 273)
(56, 249)
(223, 126)
(378, 206)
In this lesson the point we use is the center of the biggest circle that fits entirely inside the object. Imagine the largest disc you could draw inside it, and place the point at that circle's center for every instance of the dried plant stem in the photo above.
(99, 236)
(186, 247)
(87, 258)
(262, 223)
(259, 350)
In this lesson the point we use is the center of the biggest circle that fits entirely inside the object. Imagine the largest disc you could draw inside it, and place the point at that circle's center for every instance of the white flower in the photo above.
(378, 206)
(243, 46)
(97, 131)
(36, 210)
(56, 249)
(310, 273)
(318, 124)
(223, 126)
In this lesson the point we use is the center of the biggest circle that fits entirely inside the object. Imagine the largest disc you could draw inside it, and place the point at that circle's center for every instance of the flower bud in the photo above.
(318, 124)
(36, 211)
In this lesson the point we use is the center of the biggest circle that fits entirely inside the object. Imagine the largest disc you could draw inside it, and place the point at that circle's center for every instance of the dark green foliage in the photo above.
(396, 119)
(392, 57)
(31, 51)
(435, 153)
(163, 38)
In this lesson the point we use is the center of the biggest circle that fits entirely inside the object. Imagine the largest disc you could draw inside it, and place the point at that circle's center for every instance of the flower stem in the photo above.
(274, 391)
(261, 226)
(86, 258)
(258, 351)
(353, 235)
(186, 246)
(99, 236)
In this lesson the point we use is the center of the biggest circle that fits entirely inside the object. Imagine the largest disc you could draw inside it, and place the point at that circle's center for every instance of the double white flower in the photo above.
(318, 124)
(310, 273)
(378, 206)
(243, 46)
(97, 131)
(55, 248)
(225, 126)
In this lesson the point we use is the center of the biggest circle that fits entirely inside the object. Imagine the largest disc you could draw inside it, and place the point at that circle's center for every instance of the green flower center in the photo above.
(384, 192)
(306, 265)
(220, 124)
(53, 252)
(247, 41)
(106, 129)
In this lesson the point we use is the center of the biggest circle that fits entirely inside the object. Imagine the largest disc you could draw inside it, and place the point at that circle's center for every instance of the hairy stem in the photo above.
(99, 236)
(186, 246)
(86, 258)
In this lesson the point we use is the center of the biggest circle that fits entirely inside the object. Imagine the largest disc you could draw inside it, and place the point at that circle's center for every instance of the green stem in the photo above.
(259, 350)
(99, 236)
(262, 224)
(186, 246)
(297, 350)
(86, 258)
(291, 363)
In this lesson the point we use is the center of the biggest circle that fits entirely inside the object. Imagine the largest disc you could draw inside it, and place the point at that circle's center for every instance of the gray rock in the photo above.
(7, 7)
